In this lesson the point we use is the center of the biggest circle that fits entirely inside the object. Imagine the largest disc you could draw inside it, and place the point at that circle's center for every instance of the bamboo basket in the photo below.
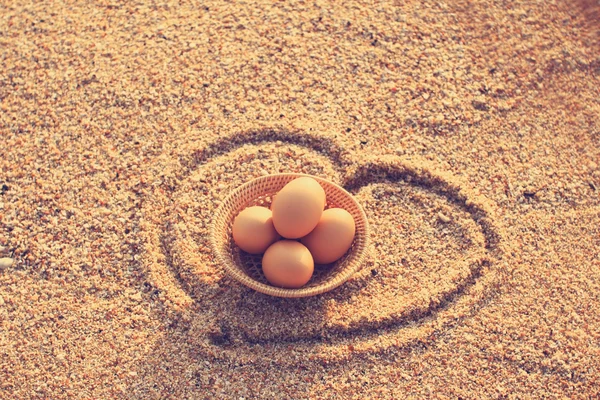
(247, 269)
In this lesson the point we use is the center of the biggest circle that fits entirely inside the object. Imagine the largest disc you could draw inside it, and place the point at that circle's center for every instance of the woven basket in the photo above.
(247, 268)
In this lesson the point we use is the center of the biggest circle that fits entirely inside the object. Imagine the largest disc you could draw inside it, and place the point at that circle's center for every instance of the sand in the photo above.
(469, 132)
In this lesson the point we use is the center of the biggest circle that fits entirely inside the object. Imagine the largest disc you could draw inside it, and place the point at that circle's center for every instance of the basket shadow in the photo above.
(243, 314)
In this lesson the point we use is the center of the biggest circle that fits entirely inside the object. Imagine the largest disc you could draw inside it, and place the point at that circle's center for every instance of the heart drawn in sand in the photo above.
(432, 240)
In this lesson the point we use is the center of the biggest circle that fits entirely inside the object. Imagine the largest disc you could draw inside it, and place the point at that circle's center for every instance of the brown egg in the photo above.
(253, 230)
(332, 236)
(297, 207)
(288, 264)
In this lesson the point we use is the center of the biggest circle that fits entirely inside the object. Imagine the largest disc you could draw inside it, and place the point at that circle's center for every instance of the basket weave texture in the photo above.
(247, 268)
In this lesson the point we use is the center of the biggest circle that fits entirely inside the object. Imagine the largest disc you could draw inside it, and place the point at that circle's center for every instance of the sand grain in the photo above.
(468, 130)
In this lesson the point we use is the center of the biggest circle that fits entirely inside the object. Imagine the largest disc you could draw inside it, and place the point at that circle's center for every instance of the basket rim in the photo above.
(231, 268)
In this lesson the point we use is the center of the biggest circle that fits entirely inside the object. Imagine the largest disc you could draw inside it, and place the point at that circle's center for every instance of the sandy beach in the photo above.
(469, 131)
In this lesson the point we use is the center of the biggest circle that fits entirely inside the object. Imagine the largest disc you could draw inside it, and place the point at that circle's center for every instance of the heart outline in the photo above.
(421, 171)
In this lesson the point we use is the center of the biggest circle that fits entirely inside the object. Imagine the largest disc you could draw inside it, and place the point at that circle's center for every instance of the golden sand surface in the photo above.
(468, 130)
